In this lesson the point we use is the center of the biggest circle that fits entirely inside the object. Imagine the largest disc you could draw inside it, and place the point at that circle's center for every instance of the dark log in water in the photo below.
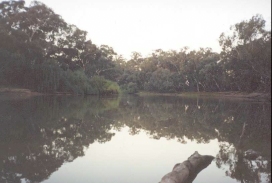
(187, 171)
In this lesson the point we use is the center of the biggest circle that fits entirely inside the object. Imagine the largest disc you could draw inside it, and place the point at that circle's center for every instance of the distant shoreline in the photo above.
(255, 96)
(18, 93)
(29, 92)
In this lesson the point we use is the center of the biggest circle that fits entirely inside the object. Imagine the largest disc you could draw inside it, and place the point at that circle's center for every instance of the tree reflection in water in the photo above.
(38, 135)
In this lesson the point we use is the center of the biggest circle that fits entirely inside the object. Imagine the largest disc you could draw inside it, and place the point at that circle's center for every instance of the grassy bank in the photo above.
(232, 95)
(16, 93)
(23, 93)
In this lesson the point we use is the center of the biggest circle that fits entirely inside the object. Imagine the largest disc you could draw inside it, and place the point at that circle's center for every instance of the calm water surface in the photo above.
(131, 139)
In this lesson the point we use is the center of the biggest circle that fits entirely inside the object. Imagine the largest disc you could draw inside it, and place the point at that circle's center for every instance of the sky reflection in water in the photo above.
(134, 159)
(130, 139)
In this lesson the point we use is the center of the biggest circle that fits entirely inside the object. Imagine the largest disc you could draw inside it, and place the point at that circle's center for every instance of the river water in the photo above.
(131, 139)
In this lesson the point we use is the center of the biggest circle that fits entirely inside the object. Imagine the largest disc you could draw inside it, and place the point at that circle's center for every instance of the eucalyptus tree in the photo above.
(160, 81)
(132, 78)
(246, 55)
(102, 64)
(34, 28)
(52, 54)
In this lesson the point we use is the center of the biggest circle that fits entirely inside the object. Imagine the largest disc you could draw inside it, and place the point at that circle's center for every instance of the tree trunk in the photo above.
(197, 84)
(216, 84)
(187, 171)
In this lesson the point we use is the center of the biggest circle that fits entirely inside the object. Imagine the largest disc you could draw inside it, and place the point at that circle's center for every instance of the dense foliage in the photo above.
(40, 51)
(243, 65)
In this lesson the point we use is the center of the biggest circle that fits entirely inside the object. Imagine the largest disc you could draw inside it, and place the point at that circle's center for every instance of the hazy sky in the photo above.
(146, 25)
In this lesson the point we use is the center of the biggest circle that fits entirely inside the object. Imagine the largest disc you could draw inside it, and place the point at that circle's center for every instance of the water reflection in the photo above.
(38, 135)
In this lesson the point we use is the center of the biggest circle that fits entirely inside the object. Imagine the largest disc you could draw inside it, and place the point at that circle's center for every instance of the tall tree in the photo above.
(247, 55)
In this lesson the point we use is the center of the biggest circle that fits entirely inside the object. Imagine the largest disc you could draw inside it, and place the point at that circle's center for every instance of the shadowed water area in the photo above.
(131, 139)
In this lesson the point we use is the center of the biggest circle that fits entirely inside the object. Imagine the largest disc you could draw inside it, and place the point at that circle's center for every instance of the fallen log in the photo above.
(187, 171)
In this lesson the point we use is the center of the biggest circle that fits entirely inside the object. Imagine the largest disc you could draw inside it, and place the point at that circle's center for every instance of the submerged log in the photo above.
(187, 171)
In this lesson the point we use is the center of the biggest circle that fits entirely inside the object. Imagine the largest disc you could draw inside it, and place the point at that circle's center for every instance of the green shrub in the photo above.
(130, 88)
(160, 81)
(48, 77)
(76, 82)
(103, 86)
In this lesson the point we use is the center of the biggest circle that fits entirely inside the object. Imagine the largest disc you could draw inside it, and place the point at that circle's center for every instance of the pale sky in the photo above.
(147, 25)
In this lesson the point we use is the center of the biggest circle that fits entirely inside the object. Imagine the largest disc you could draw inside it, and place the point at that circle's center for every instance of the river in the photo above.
(131, 139)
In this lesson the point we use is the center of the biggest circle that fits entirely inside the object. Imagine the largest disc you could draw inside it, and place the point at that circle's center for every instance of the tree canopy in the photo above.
(41, 51)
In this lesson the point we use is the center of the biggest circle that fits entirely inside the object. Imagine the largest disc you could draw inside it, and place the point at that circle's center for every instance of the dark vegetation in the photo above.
(40, 134)
(41, 52)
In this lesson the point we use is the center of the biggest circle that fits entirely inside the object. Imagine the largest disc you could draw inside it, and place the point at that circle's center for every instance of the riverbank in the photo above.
(16, 93)
(19, 93)
(231, 95)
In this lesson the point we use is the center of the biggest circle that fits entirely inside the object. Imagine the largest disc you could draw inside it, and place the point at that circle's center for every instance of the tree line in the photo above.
(244, 64)
(42, 52)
